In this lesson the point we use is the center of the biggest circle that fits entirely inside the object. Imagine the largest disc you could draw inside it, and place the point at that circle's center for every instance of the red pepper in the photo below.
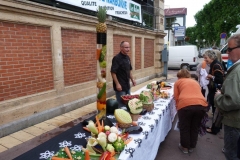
(125, 135)
(105, 156)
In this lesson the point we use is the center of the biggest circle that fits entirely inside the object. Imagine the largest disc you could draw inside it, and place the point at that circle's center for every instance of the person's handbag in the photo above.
(217, 118)
(212, 85)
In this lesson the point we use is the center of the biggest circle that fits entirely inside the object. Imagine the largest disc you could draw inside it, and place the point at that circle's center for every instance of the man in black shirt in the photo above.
(121, 72)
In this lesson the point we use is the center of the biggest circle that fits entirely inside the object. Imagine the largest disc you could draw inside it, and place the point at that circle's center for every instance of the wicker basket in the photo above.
(148, 107)
(135, 117)
(124, 125)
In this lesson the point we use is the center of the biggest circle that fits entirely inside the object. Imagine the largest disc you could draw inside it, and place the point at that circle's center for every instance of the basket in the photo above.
(124, 125)
(135, 117)
(126, 98)
(148, 107)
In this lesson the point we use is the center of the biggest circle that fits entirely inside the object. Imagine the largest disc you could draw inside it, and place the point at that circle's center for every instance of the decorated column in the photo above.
(101, 51)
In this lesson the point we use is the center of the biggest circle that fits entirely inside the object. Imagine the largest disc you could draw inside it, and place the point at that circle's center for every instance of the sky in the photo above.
(193, 6)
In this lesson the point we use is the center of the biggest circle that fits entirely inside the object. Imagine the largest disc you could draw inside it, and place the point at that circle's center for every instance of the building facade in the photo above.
(48, 59)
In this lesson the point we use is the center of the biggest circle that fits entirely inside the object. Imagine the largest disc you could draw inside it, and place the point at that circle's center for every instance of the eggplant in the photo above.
(134, 130)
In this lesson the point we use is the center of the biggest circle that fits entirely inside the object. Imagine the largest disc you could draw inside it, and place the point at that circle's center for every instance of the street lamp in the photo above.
(196, 42)
(203, 42)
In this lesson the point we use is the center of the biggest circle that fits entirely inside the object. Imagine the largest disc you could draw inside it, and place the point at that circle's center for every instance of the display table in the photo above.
(155, 125)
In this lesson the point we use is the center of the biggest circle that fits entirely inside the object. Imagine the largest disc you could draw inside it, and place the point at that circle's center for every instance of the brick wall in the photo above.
(148, 53)
(25, 60)
(79, 56)
(137, 53)
(117, 39)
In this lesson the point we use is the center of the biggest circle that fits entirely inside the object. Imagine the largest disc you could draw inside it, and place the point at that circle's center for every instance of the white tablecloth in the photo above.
(155, 125)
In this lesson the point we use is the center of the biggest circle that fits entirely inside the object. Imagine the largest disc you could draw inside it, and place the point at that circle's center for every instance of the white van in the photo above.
(183, 57)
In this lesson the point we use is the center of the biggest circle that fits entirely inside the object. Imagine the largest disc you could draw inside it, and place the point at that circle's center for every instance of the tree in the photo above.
(216, 17)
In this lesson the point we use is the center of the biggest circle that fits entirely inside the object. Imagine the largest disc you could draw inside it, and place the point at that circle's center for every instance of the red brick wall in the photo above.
(79, 56)
(137, 53)
(148, 53)
(117, 39)
(25, 60)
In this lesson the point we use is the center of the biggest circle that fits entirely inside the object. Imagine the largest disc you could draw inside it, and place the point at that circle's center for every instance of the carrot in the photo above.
(87, 156)
(100, 127)
(134, 123)
(98, 53)
(66, 149)
(57, 158)
(102, 124)
(112, 158)
(97, 121)
(128, 140)
(113, 153)
(85, 128)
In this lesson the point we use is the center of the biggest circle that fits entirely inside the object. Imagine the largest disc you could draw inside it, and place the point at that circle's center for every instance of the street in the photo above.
(209, 147)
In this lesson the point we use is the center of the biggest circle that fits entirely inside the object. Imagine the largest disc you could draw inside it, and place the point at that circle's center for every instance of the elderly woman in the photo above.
(191, 106)
(215, 76)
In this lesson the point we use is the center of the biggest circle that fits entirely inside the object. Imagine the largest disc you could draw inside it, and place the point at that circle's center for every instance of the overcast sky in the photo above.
(193, 6)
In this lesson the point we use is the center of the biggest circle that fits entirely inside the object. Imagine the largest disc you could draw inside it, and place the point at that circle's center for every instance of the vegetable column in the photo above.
(101, 51)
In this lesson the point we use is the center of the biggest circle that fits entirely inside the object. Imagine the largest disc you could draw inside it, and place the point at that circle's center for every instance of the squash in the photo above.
(111, 105)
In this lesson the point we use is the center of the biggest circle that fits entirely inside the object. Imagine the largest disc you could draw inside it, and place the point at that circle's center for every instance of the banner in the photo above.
(125, 9)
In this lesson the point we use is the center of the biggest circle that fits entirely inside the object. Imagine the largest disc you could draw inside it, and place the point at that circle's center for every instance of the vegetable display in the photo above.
(101, 53)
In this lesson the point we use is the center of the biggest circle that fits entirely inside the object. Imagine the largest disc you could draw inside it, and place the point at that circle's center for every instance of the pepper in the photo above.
(119, 145)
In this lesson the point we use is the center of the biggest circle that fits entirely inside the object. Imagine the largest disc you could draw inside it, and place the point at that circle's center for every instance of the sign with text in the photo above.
(179, 31)
(125, 9)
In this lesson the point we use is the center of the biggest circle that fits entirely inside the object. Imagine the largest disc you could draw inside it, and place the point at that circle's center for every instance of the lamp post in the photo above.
(204, 42)
(196, 42)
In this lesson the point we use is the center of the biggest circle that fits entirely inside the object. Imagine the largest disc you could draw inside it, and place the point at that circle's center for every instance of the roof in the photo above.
(175, 11)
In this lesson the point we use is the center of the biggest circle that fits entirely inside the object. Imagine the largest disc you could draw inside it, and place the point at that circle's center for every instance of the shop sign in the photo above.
(125, 9)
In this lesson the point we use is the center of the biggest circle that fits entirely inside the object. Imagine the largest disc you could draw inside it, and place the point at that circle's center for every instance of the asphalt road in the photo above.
(209, 147)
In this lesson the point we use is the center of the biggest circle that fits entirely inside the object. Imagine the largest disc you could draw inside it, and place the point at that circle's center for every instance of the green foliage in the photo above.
(102, 14)
(216, 17)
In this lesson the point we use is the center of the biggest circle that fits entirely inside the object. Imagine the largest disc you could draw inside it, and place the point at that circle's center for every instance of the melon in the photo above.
(135, 106)
(146, 97)
(122, 116)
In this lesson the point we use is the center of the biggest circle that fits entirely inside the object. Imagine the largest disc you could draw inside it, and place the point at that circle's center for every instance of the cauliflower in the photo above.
(112, 137)
(114, 130)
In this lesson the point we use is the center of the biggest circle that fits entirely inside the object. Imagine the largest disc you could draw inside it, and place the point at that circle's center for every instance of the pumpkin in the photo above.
(111, 105)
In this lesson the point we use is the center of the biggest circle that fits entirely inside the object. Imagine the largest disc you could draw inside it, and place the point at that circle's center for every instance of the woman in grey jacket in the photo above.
(228, 100)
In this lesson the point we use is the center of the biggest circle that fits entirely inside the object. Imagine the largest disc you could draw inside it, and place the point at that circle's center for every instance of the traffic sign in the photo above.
(223, 35)
(179, 31)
